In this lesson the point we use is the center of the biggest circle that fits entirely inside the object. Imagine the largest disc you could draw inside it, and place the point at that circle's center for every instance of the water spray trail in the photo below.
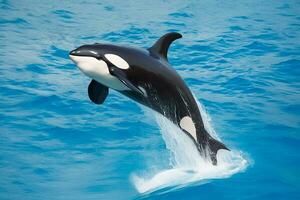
(186, 164)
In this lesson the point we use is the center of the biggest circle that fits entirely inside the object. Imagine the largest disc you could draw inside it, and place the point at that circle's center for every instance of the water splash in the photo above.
(186, 164)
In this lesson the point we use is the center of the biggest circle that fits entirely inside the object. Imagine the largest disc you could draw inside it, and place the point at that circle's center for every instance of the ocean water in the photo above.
(240, 59)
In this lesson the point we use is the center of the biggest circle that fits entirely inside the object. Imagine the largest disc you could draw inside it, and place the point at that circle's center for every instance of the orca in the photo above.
(146, 76)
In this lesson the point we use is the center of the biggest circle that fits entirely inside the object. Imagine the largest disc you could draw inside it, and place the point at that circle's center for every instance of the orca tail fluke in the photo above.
(214, 146)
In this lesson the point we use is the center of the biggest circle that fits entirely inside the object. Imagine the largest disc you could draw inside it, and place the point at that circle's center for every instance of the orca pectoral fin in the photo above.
(97, 92)
(123, 78)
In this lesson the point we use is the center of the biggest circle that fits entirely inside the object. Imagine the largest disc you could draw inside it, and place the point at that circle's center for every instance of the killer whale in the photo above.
(146, 76)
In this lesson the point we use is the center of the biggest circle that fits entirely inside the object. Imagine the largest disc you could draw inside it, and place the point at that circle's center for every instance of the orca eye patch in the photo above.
(117, 61)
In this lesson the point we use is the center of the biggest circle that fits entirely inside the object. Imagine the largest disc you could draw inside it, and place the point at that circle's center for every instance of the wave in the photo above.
(186, 165)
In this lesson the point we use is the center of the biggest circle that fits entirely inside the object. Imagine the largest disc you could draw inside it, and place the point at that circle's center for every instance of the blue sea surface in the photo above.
(241, 59)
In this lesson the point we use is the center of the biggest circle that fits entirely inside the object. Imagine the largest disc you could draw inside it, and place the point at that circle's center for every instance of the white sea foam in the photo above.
(186, 165)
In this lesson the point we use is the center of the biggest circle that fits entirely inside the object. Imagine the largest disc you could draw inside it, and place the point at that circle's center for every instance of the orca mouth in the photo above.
(74, 53)
(84, 50)
(73, 58)
(77, 55)
(83, 53)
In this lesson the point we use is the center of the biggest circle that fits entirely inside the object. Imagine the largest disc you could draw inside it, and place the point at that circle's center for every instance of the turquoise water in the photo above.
(241, 60)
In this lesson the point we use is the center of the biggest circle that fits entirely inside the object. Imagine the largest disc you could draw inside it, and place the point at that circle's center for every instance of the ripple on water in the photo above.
(65, 14)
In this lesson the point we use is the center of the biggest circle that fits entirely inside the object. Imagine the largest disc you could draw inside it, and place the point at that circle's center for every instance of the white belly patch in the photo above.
(187, 124)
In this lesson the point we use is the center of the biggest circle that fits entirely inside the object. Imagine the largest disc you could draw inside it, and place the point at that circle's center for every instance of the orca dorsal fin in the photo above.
(162, 45)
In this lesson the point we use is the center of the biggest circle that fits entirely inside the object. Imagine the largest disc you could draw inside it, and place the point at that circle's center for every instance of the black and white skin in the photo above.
(145, 76)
